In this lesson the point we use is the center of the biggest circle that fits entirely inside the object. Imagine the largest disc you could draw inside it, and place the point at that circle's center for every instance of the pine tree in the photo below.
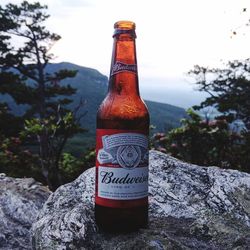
(25, 45)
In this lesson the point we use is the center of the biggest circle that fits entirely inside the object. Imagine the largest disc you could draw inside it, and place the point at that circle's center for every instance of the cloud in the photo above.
(72, 3)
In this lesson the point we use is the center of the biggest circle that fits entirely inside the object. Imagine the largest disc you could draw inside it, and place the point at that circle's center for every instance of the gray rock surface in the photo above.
(191, 207)
(20, 201)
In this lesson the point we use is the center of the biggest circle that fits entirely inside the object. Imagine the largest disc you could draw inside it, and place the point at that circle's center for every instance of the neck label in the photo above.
(122, 67)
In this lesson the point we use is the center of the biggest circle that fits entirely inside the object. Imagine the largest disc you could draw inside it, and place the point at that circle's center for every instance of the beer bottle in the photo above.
(121, 198)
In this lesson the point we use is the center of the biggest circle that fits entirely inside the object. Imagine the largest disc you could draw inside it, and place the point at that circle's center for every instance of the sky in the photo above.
(172, 37)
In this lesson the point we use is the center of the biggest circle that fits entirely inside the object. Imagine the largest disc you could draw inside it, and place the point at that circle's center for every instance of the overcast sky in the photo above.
(172, 35)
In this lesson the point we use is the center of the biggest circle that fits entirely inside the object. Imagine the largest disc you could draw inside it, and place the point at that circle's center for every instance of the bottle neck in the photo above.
(123, 78)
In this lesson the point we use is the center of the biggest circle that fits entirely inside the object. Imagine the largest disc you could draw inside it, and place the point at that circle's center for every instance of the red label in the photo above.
(121, 168)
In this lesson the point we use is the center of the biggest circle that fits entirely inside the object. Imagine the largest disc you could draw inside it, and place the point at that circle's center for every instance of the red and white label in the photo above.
(121, 168)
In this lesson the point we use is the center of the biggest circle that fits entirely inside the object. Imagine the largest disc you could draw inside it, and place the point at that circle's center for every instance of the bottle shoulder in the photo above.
(123, 111)
(122, 106)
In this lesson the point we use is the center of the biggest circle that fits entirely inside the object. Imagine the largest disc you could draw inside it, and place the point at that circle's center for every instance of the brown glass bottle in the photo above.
(123, 118)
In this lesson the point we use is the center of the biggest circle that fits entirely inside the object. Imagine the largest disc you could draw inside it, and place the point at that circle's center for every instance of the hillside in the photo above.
(91, 85)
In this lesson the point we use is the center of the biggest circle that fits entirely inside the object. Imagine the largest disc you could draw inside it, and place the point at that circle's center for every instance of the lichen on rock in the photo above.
(20, 201)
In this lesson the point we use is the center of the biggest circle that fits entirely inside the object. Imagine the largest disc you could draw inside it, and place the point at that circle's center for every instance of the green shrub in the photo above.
(206, 143)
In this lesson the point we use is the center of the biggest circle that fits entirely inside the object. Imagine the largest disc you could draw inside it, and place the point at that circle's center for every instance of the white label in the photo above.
(129, 150)
(122, 184)
(110, 141)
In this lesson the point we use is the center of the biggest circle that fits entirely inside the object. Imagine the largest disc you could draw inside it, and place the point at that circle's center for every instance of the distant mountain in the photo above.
(91, 85)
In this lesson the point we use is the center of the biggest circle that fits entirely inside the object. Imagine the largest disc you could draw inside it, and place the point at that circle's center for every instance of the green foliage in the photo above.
(71, 167)
(206, 143)
(52, 126)
(23, 76)
(7, 118)
(18, 161)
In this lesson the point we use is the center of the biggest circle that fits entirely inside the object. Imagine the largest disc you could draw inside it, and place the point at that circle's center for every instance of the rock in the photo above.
(191, 207)
(20, 201)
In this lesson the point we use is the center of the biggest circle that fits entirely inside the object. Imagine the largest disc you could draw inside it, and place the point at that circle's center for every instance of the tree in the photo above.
(229, 89)
(214, 140)
(25, 52)
(204, 142)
